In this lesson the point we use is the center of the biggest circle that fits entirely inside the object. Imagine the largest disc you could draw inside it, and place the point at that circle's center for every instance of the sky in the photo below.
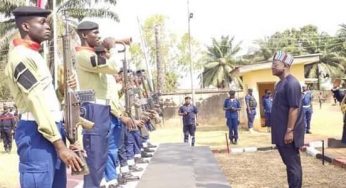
(247, 20)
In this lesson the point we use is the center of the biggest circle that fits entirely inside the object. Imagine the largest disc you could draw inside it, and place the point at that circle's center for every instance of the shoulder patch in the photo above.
(93, 61)
(101, 60)
(24, 77)
(19, 69)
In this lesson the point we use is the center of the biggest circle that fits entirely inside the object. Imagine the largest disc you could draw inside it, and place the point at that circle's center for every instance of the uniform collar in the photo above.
(27, 43)
(80, 48)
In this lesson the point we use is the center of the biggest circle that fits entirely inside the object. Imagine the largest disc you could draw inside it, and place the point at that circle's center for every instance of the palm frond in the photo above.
(80, 13)
(7, 6)
(113, 2)
(6, 26)
(4, 41)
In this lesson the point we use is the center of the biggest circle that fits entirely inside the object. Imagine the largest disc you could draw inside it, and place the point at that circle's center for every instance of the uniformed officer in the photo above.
(39, 134)
(251, 105)
(339, 95)
(7, 124)
(189, 113)
(231, 107)
(267, 101)
(307, 106)
(91, 70)
(287, 118)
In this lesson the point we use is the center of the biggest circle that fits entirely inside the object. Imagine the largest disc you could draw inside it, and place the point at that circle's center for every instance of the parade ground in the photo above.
(258, 169)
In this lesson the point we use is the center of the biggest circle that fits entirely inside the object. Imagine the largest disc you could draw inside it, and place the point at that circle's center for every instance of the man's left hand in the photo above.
(72, 81)
(288, 137)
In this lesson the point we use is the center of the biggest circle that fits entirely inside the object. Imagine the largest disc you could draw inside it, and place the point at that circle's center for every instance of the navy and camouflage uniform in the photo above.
(307, 107)
(251, 105)
(267, 108)
(7, 124)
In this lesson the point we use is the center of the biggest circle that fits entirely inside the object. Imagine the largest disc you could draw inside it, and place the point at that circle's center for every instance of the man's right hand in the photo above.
(67, 156)
(129, 123)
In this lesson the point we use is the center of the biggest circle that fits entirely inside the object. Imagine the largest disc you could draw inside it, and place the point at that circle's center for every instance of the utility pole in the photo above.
(190, 15)
(146, 56)
(159, 82)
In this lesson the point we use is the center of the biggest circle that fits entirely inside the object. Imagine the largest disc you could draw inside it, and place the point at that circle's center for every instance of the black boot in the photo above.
(129, 177)
(145, 154)
(148, 150)
(134, 168)
(141, 161)
(151, 145)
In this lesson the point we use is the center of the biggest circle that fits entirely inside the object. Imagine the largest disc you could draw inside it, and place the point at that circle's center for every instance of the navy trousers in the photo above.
(6, 135)
(122, 148)
(113, 145)
(133, 144)
(291, 158)
(232, 124)
(39, 165)
(95, 142)
(267, 116)
(251, 117)
(189, 130)
(307, 118)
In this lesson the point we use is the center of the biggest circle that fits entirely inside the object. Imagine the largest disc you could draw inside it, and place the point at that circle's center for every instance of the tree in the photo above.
(167, 41)
(220, 61)
(306, 40)
(183, 54)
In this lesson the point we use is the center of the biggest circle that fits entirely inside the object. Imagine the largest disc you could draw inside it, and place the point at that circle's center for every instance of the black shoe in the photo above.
(192, 144)
(115, 186)
(121, 180)
(141, 161)
(148, 150)
(235, 141)
(145, 154)
(134, 168)
(308, 132)
(151, 145)
(129, 177)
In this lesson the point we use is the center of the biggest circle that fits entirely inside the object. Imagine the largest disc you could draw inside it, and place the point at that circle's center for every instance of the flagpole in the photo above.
(55, 39)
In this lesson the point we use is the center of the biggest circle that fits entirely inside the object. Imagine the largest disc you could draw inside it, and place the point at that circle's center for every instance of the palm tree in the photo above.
(220, 61)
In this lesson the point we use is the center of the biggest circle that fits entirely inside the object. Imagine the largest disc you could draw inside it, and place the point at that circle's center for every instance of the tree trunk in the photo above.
(160, 77)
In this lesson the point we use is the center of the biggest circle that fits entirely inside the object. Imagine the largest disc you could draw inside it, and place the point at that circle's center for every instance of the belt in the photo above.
(28, 116)
(102, 101)
(306, 106)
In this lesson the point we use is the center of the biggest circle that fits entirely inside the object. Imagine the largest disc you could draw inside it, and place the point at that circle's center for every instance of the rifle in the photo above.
(72, 113)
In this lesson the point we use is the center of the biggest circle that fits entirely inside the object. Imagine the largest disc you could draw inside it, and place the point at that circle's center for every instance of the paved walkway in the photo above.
(179, 165)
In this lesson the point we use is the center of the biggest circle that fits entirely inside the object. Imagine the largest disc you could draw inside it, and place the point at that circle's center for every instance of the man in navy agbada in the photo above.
(189, 113)
(287, 118)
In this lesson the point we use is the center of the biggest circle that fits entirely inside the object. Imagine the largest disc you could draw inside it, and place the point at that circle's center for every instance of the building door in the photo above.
(262, 86)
